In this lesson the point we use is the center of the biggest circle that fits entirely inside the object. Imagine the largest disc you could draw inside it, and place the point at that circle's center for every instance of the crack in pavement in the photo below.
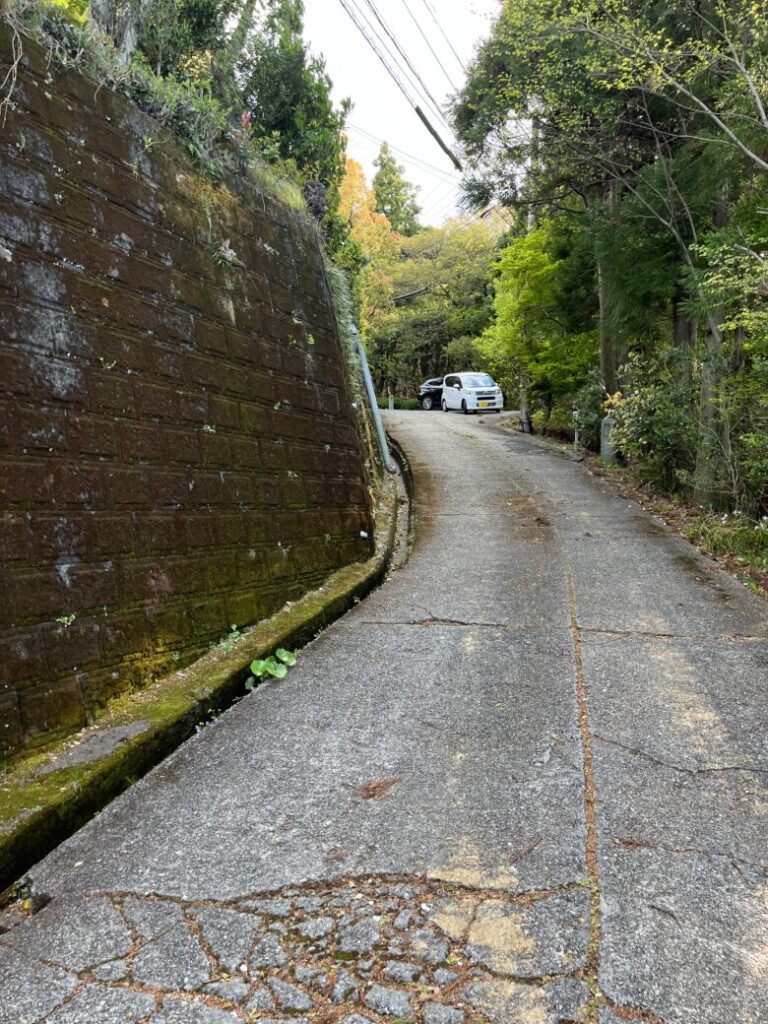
(506, 812)
(592, 965)
(379, 947)
(653, 759)
(633, 843)
(634, 634)
(634, 1013)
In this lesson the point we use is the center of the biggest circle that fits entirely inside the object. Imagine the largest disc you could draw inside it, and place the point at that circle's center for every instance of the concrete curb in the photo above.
(402, 460)
(41, 804)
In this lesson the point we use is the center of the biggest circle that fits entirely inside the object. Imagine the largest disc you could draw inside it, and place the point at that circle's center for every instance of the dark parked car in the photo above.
(430, 393)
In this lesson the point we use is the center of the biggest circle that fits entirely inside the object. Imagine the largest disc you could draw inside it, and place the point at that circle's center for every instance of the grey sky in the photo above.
(380, 109)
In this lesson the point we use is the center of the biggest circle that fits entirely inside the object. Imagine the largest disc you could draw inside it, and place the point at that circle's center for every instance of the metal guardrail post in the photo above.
(389, 465)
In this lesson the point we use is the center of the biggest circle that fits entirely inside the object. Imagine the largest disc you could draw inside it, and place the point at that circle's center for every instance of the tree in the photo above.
(179, 37)
(395, 197)
(441, 301)
(378, 244)
(286, 92)
(646, 125)
(544, 323)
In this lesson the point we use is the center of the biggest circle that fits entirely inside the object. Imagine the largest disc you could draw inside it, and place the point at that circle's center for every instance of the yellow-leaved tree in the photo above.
(379, 245)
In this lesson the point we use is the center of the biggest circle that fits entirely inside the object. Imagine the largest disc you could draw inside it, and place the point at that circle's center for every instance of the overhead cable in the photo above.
(413, 69)
(361, 29)
(390, 53)
(425, 37)
(434, 18)
(420, 113)
(404, 154)
(438, 196)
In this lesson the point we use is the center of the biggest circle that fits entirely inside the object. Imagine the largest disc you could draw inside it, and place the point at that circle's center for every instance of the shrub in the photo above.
(201, 122)
(400, 403)
(732, 534)
(655, 429)
(590, 402)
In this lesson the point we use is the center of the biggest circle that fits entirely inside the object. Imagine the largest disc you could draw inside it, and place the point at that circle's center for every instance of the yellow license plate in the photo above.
(483, 405)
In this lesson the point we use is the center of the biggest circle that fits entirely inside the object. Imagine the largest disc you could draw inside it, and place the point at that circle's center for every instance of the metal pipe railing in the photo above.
(389, 465)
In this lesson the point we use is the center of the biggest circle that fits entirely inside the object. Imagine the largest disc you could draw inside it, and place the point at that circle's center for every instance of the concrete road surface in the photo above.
(524, 781)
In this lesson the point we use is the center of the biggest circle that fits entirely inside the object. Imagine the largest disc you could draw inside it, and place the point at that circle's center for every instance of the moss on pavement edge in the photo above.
(38, 811)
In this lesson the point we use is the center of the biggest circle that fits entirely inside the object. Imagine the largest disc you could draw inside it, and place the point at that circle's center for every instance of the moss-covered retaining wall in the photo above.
(178, 447)
(46, 797)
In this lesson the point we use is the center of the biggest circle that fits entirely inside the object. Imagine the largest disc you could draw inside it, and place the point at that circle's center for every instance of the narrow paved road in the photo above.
(524, 781)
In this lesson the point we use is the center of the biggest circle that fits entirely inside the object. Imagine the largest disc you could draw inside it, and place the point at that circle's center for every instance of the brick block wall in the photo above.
(178, 450)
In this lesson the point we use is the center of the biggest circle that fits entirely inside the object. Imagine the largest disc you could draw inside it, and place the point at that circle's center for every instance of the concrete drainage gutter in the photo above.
(44, 799)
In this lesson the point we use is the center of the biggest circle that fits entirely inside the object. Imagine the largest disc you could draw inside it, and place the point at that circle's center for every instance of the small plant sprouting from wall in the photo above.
(227, 643)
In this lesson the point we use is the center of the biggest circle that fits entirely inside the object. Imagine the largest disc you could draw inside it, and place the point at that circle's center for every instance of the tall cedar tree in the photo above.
(395, 197)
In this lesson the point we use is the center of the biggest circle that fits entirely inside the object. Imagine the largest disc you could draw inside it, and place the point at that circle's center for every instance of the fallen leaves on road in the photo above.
(376, 789)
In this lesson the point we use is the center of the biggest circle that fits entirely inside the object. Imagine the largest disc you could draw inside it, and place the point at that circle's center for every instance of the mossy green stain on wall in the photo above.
(37, 812)
(167, 445)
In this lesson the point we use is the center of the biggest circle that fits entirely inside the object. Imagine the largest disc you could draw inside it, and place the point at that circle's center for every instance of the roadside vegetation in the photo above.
(613, 257)
(633, 144)
(233, 79)
(626, 148)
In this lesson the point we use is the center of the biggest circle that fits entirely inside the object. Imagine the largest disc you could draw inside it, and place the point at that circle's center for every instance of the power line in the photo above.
(422, 165)
(439, 187)
(414, 71)
(420, 113)
(445, 189)
(361, 29)
(390, 52)
(444, 210)
(424, 36)
(433, 16)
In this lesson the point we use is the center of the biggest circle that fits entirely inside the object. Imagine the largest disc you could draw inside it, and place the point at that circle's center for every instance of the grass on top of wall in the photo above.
(199, 121)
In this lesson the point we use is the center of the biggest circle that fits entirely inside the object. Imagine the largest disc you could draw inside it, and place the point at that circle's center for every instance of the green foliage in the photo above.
(286, 93)
(242, 98)
(543, 324)
(735, 534)
(395, 197)
(643, 128)
(400, 403)
(179, 37)
(440, 297)
(276, 666)
(227, 643)
(653, 427)
(590, 406)
(75, 10)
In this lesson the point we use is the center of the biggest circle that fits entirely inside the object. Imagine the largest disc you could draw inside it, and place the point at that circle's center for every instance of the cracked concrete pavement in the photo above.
(524, 781)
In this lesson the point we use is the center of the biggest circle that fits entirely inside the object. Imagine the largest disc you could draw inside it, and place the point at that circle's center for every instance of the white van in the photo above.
(471, 392)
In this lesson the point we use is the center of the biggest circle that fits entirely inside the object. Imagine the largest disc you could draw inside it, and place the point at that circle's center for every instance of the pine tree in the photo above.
(395, 197)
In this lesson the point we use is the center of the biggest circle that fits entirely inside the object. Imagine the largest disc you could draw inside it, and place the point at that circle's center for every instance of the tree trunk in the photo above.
(119, 21)
(612, 348)
(708, 453)
(525, 412)
(684, 334)
(684, 325)
(609, 370)
(714, 434)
